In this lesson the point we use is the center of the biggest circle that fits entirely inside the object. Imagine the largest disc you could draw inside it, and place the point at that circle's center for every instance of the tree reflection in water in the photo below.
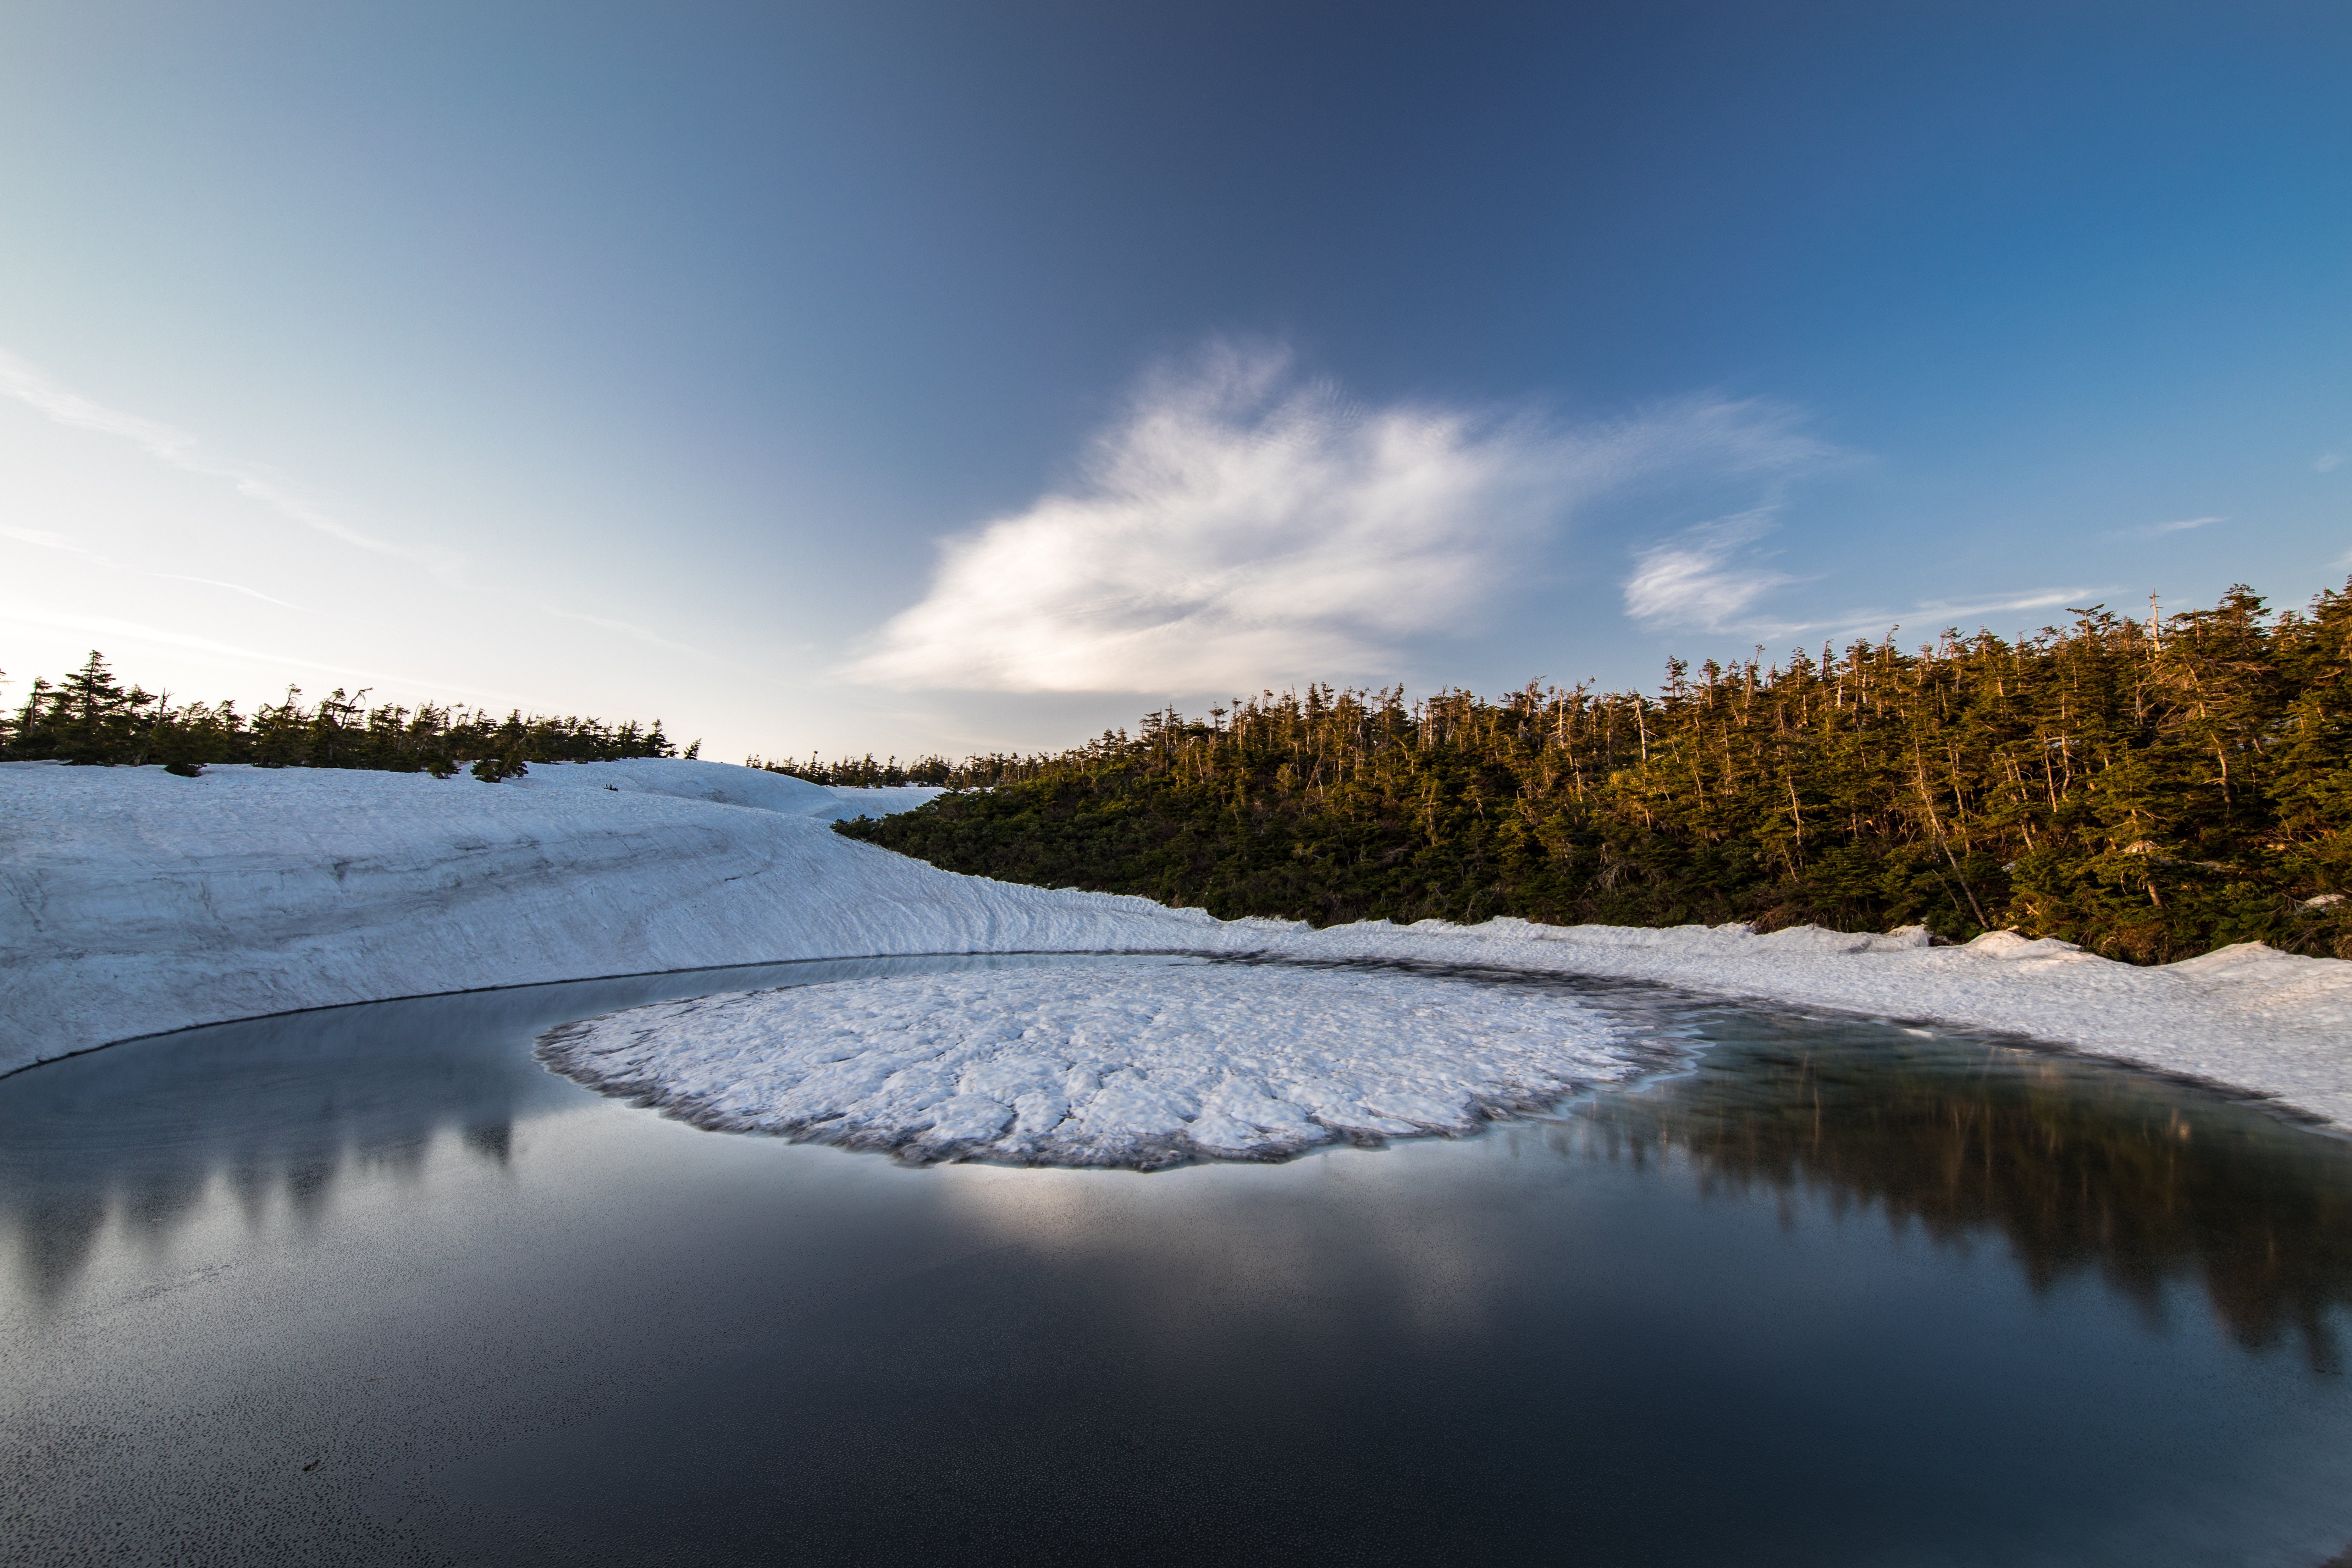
(2146, 1184)
(279, 1109)
(282, 1110)
(2080, 1168)
(385, 1236)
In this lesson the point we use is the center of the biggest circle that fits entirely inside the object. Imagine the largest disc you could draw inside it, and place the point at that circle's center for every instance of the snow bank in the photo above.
(724, 783)
(132, 902)
(2248, 1016)
(1133, 1066)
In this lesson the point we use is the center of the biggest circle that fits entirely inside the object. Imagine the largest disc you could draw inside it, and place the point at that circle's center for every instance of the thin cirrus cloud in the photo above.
(645, 634)
(181, 450)
(1937, 614)
(44, 540)
(1711, 578)
(1239, 527)
(1701, 577)
(2159, 530)
(1940, 614)
(113, 629)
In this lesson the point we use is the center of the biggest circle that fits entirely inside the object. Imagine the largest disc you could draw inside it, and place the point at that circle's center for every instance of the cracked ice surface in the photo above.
(1144, 1066)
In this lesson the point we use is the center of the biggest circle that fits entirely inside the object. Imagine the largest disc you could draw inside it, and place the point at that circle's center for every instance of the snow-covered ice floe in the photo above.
(1130, 1065)
(133, 902)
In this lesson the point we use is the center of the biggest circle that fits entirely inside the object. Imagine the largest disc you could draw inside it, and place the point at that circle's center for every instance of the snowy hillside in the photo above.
(133, 902)
(723, 784)
(137, 901)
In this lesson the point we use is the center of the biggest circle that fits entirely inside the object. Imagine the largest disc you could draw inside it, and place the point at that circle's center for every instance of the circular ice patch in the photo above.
(1101, 1065)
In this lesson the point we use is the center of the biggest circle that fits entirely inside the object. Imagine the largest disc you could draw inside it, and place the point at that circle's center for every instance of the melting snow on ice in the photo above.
(1139, 1065)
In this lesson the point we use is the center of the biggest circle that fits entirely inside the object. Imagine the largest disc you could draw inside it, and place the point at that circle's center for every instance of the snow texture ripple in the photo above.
(1142, 1066)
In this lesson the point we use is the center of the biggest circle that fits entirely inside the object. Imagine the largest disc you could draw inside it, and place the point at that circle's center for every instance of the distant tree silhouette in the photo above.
(89, 717)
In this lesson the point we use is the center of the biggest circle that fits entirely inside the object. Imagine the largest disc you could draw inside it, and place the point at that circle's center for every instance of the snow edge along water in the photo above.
(137, 903)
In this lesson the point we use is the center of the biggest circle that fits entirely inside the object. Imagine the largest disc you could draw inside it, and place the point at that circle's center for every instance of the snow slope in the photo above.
(723, 784)
(132, 902)
(1138, 1065)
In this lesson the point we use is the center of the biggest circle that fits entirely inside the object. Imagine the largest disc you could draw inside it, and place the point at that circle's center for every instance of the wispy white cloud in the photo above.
(2159, 530)
(2325, 462)
(231, 587)
(1950, 613)
(1711, 578)
(43, 538)
(625, 628)
(1929, 615)
(46, 539)
(181, 450)
(1237, 527)
(1704, 575)
(113, 629)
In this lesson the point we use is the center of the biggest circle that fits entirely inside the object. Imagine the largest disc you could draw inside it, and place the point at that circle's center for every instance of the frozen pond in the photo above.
(370, 1286)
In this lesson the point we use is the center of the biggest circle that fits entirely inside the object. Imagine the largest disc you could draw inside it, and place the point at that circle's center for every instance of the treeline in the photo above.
(2149, 789)
(91, 717)
(864, 773)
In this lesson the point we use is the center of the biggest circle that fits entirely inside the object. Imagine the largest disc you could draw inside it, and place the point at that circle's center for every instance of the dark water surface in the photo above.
(369, 1285)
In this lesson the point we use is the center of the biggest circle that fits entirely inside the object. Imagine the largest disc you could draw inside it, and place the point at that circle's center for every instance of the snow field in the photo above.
(132, 903)
(2247, 1017)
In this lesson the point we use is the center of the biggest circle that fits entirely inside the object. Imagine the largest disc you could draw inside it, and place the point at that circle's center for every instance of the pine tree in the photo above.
(2149, 789)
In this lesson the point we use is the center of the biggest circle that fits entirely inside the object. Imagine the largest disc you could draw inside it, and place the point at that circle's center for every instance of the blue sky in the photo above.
(957, 376)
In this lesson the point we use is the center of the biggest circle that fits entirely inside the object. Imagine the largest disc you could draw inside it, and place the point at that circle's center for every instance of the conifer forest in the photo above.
(2149, 789)
(91, 717)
